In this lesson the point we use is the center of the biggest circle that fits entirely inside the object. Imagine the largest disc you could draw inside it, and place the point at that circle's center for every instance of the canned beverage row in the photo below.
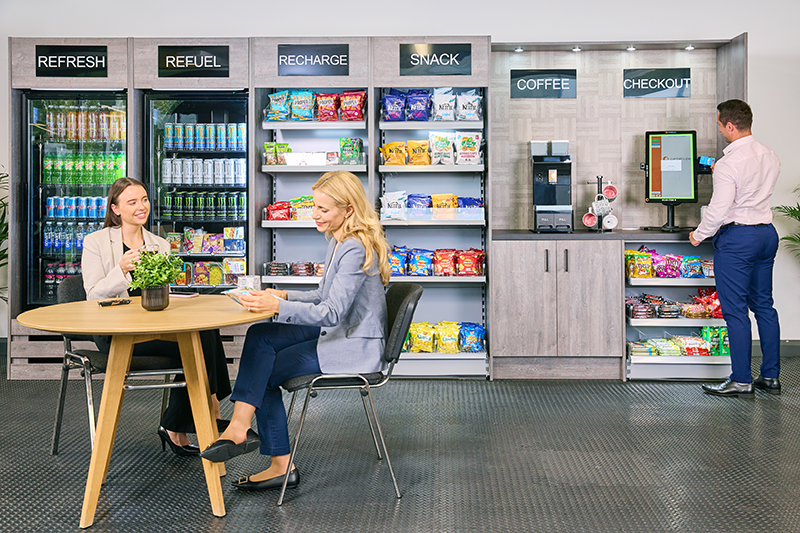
(72, 207)
(204, 172)
(204, 205)
(230, 137)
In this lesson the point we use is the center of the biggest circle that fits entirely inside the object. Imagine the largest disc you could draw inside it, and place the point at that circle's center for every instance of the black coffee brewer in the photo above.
(552, 186)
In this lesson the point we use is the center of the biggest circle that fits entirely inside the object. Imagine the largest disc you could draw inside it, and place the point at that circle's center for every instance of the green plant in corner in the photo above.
(792, 241)
(4, 229)
(155, 269)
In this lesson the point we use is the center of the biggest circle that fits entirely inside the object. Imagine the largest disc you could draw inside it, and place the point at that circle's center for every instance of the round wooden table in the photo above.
(130, 324)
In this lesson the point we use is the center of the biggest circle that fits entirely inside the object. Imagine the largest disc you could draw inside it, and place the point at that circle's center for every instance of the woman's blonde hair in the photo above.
(345, 189)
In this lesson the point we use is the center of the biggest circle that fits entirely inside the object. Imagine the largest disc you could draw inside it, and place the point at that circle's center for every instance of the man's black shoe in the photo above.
(771, 385)
(731, 388)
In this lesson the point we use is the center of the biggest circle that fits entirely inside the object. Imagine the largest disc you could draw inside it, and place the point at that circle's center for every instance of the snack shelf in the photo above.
(314, 125)
(670, 282)
(288, 224)
(675, 322)
(433, 222)
(443, 355)
(186, 255)
(272, 169)
(193, 286)
(292, 280)
(432, 125)
(430, 168)
(683, 359)
(437, 279)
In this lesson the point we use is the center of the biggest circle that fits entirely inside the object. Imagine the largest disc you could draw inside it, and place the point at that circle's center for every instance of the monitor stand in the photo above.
(670, 226)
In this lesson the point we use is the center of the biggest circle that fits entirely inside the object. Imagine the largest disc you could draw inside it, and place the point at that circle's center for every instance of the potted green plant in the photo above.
(153, 274)
(792, 241)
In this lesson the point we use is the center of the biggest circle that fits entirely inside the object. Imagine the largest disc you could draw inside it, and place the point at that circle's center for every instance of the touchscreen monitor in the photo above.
(672, 166)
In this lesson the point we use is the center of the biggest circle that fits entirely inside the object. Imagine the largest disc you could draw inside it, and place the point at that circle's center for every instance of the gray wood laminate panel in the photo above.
(556, 368)
(265, 63)
(386, 62)
(22, 52)
(732, 74)
(522, 299)
(590, 299)
(145, 65)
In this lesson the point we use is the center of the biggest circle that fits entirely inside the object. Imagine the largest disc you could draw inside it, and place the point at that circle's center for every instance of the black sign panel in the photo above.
(547, 83)
(436, 59)
(193, 62)
(657, 83)
(71, 61)
(313, 60)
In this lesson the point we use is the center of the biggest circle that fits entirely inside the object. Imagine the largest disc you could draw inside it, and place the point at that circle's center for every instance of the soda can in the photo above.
(241, 208)
(241, 136)
(231, 206)
(240, 172)
(220, 210)
(50, 207)
(197, 172)
(200, 137)
(211, 137)
(169, 136)
(187, 171)
(166, 171)
(222, 143)
(230, 171)
(188, 140)
(69, 201)
(211, 204)
(82, 210)
(219, 172)
(231, 134)
(188, 204)
(167, 201)
(178, 142)
(91, 212)
(51, 201)
(177, 171)
(100, 201)
(200, 205)
(208, 172)
(101, 211)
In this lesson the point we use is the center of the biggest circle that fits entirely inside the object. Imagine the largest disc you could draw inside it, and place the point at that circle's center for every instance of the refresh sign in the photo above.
(547, 83)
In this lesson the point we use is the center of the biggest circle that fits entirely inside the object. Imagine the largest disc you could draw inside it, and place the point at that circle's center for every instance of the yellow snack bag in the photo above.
(448, 201)
(422, 339)
(447, 338)
(394, 153)
(419, 153)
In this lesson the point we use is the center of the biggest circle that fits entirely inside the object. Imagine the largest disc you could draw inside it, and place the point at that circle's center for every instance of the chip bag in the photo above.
(420, 262)
(441, 144)
(351, 106)
(418, 153)
(394, 153)
(327, 107)
(446, 335)
(468, 148)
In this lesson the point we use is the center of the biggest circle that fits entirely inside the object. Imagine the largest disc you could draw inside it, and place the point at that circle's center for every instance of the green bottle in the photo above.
(119, 165)
(58, 169)
(69, 166)
(89, 162)
(78, 169)
(109, 174)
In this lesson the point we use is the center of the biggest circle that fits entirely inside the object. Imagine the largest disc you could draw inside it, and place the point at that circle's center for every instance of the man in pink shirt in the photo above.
(745, 243)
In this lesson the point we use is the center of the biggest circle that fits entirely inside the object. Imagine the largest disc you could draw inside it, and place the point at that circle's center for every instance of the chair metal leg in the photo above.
(87, 376)
(291, 408)
(294, 447)
(164, 399)
(62, 394)
(369, 421)
(383, 443)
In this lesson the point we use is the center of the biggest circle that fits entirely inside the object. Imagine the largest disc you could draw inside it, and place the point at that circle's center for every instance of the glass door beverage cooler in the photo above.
(74, 147)
(196, 167)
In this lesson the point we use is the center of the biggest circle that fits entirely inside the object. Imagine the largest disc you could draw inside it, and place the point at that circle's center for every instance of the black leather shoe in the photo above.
(730, 388)
(180, 451)
(244, 483)
(225, 449)
(771, 385)
(222, 425)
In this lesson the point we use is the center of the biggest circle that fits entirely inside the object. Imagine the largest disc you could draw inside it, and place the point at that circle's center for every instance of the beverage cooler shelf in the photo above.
(206, 152)
(203, 188)
(201, 220)
(184, 255)
(271, 169)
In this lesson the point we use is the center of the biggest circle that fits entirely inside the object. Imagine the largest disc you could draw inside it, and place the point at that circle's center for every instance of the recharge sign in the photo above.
(193, 62)
(550, 83)
(313, 60)
(71, 61)
(436, 59)
(657, 83)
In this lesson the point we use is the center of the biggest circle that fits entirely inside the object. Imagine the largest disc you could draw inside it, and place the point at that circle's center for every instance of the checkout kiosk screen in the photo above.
(671, 163)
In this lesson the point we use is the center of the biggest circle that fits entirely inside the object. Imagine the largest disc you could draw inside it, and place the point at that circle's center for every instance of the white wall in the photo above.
(774, 51)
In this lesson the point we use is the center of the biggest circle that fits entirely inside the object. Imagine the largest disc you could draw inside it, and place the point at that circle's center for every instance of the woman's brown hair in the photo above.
(112, 219)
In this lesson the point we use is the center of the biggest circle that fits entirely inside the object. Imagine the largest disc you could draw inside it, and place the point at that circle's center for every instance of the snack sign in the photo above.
(436, 59)
(313, 60)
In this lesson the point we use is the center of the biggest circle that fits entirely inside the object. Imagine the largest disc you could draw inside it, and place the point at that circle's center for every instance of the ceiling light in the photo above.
(631, 48)
(576, 49)
(690, 48)
(518, 49)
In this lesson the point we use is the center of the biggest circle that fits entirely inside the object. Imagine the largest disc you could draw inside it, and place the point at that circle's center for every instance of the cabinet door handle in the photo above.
(547, 260)
(566, 260)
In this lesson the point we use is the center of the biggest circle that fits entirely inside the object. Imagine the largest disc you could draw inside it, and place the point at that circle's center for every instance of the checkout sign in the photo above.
(549, 83)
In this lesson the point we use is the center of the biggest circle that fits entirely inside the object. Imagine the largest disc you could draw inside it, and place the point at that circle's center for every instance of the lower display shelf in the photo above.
(470, 364)
(675, 322)
(678, 367)
(314, 280)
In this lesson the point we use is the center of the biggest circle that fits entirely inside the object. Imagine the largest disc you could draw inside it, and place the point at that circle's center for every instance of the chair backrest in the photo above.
(71, 290)
(401, 302)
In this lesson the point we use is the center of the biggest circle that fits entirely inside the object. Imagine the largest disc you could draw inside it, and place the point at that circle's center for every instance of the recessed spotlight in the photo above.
(631, 48)
(576, 49)
(518, 49)
(690, 48)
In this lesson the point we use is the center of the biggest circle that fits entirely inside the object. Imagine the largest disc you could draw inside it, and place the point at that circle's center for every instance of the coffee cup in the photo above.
(590, 219)
(600, 206)
(610, 192)
(610, 222)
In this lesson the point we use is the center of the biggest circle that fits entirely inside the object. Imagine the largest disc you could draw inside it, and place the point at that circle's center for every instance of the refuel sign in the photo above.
(193, 62)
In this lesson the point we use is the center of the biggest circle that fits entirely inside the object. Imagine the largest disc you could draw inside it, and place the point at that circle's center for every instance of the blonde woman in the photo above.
(338, 328)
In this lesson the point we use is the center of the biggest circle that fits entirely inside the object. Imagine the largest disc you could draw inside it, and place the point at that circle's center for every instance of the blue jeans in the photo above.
(273, 353)
(744, 257)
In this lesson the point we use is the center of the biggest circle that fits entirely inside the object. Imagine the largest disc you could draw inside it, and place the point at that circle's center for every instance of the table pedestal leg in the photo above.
(119, 361)
(194, 370)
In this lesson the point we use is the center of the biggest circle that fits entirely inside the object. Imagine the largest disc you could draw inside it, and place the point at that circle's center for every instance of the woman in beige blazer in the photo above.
(109, 256)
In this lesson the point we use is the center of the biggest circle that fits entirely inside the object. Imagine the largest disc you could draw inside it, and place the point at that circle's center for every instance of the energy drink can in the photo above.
(200, 137)
(222, 143)
(187, 171)
(177, 171)
(220, 210)
(230, 171)
(231, 206)
(241, 136)
(231, 142)
(179, 199)
(166, 171)
(241, 207)
(219, 172)
(199, 205)
(180, 136)
(167, 204)
(188, 141)
(211, 137)
(208, 172)
(240, 172)
(197, 172)
(169, 136)
(210, 204)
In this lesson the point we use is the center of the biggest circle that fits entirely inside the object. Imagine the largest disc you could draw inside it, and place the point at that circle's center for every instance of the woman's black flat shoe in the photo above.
(225, 449)
(244, 483)
(180, 451)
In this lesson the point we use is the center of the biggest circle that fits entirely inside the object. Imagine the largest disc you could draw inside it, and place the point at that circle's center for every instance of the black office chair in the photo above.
(95, 362)
(401, 302)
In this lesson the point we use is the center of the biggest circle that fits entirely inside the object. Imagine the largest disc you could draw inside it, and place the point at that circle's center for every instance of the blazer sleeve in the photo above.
(346, 283)
(98, 282)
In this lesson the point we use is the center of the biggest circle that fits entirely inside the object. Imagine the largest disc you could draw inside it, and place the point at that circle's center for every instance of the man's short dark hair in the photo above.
(737, 113)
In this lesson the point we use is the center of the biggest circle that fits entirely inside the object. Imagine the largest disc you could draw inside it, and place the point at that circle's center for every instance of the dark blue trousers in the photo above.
(744, 257)
(273, 353)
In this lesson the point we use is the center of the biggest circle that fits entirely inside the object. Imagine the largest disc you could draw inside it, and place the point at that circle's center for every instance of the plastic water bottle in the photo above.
(47, 238)
(80, 233)
(69, 241)
(58, 239)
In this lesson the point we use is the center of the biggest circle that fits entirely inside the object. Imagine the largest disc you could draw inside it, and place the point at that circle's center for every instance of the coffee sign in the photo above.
(313, 60)
(544, 83)
(193, 62)
(436, 59)
(657, 83)
(63, 61)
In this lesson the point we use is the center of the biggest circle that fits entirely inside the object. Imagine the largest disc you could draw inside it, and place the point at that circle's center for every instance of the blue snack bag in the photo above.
(417, 106)
(420, 262)
(469, 202)
(394, 107)
(419, 201)
(472, 336)
(397, 261)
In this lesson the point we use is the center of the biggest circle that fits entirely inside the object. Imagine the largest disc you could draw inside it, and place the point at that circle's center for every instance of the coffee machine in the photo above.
(552, 186)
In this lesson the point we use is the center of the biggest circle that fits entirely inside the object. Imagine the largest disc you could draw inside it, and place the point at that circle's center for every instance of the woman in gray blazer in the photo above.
(109, 257)
(338, 328)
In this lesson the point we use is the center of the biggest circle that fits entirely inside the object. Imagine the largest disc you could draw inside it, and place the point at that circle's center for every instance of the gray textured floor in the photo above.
(589, 456)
